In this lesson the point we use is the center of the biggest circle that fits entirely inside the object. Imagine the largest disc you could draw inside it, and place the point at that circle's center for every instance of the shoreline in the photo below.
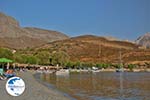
(51, 87)
(33, 91)
(36, 89)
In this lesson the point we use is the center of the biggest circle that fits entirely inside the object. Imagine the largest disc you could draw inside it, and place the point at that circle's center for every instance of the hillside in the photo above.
(16, 37)
(144, 40)
(86, 48)
(97, 49)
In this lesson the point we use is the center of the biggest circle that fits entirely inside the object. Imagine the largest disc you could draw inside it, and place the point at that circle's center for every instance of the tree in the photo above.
(69, 64)
(103, 65)
(118, 66)
(87, 65)
(59, 58)
(44, 57)
(131, 66)
(78, 65)
(99, 66)
(18, 58)
(32, 59)
(6, 53)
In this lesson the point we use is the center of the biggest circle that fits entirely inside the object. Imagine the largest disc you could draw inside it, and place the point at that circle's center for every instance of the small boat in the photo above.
(120, 70)
(63, 72)
(75, 70)
(96, 71)
(48, 71)
(39, 71)
(45, 71)
(84, 70)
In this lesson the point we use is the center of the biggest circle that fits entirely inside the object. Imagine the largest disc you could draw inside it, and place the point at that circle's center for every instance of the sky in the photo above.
(123, 19)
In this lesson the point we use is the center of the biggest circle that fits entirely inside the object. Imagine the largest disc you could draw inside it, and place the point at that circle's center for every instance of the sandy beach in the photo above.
(34, 90)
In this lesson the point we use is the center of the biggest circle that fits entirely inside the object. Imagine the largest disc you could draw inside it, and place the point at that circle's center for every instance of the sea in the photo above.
(101, 86)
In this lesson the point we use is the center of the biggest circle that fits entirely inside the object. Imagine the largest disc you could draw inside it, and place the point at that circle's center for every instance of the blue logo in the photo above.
(15, 86)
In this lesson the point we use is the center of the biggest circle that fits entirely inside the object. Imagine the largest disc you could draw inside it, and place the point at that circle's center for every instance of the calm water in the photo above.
(103, 85)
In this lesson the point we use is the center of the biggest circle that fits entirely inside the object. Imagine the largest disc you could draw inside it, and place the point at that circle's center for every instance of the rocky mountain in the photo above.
(14, 36)
(144, 40)
(86, 48)
(89, 48)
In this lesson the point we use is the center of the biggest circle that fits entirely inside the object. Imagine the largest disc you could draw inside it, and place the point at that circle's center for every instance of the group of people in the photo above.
(8, 74)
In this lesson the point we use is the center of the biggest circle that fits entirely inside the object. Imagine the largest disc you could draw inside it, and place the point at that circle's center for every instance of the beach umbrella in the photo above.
(5, 60)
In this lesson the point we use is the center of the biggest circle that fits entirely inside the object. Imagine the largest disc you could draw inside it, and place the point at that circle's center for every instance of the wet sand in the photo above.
(34, 90)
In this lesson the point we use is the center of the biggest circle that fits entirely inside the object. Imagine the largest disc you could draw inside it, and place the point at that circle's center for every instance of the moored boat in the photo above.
(63, 72)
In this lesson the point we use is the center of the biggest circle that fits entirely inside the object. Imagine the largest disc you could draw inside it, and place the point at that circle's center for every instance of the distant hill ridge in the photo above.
(89, 48)
(14, 36)
(144, 40)
(86, 48)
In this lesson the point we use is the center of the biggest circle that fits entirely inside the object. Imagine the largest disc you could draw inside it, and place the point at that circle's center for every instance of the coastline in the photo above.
(34, 90)
(51, 87)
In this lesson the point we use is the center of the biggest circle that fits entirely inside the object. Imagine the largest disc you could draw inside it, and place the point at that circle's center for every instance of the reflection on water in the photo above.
(103, 86)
